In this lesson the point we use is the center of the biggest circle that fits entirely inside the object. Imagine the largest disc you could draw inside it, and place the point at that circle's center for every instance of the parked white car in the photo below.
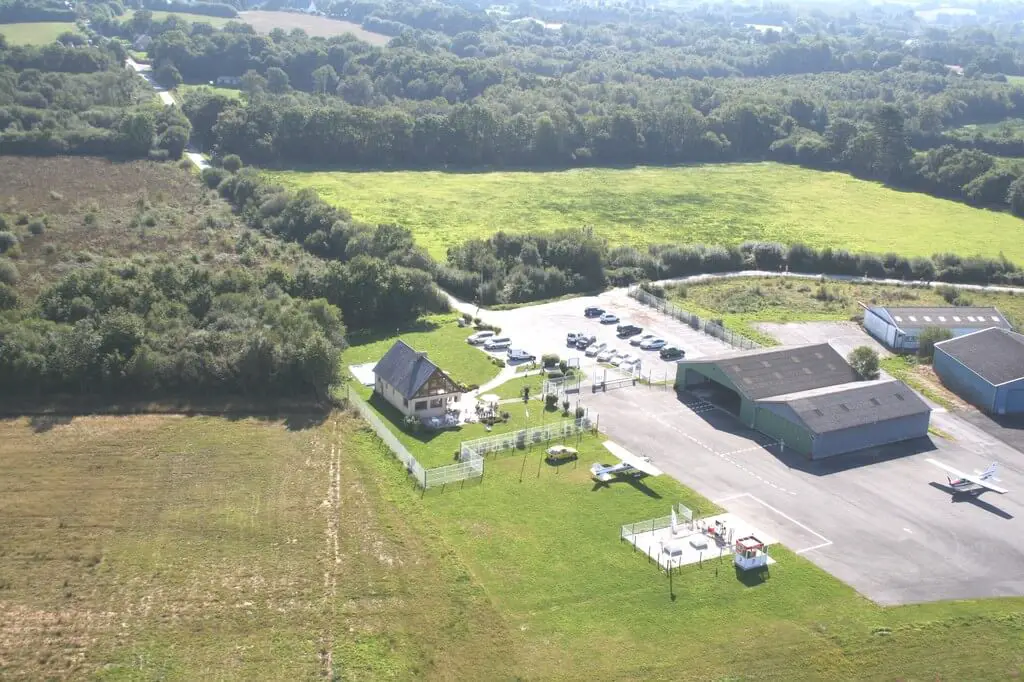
(625, 358)
(653, 344)
(479, 338)
(639, 340)
(595, 349)
(503, 343)
(607, 354)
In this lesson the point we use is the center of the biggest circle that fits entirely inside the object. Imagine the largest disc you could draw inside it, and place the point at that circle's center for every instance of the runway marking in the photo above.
(908, 530)
(825, 542)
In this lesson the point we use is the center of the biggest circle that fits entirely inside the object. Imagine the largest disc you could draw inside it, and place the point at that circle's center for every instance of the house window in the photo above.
(437, 402)
(420, 405)
(405, 402)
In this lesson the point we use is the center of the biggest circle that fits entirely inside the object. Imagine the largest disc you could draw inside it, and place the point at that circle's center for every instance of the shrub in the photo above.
(549, 360)
(498, 361)
(37, 227)
(864, 361)
(467, 317)
(565, 407)
(581, 412)
(551, 401)
(476, 321)
(213, 177)
(7, 241)
(8, 272)
(563, 366)
(505, 416)
(22, 219)
(412, 424)
(929, 337)
(50, 249)
(8, 297)
(232, 163)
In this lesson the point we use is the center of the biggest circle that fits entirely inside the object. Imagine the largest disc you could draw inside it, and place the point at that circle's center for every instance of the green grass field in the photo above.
(715, 204)
(440, 338)
(233, 93)
(181, 548)
(216, 22)
(37, 32)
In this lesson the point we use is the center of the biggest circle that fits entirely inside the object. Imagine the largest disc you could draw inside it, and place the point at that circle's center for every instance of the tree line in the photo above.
(126, 331)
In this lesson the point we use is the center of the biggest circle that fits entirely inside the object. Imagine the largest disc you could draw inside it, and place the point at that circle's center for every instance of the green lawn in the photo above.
(216, 22)
(36, 33)
(513, 388)
(233, 93)
(714, 204)
(542, 542)
(440, 338)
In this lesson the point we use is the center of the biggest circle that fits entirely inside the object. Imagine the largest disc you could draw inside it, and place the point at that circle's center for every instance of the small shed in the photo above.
(985, 368)
(899, 329)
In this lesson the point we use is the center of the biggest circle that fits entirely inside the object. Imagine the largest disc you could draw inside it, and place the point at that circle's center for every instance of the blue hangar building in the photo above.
(985, 368)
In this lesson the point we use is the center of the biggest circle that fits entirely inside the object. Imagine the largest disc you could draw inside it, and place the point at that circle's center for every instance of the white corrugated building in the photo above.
(899, 329)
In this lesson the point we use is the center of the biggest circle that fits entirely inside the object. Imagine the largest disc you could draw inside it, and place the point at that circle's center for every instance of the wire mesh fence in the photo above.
(472, 467)
(517, 440)
(693, 321)
(684, 515)
(412, 466)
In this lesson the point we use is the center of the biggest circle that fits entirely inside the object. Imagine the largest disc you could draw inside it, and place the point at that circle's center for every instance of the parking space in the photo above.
(880, 520)
(542, 329)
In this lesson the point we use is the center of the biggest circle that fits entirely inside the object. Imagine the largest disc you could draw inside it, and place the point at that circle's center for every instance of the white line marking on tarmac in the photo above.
(825, 541)
(908, 530)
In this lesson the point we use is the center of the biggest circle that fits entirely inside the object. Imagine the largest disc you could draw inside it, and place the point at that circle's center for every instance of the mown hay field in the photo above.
(714, 204)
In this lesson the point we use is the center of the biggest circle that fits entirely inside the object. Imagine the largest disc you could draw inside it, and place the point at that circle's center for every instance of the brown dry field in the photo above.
(265, 22)
(171, 547)
(98, 209)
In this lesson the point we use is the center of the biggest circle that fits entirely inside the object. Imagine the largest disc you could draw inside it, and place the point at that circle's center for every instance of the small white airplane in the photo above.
(629, 465)
(976, 484)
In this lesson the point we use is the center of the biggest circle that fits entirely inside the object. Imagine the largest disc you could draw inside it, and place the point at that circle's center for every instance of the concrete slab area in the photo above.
(653, 543)
(843, 336)
(880, 520)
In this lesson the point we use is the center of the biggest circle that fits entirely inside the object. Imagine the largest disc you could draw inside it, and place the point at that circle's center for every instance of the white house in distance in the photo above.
(412, 383)
(899, 329)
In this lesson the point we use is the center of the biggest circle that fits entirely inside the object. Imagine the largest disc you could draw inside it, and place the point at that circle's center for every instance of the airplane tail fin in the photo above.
(991, 471)
(950, 479)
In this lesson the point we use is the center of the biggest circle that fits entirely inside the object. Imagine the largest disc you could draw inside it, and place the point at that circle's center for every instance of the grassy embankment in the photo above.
(715, 204)
(186, 548)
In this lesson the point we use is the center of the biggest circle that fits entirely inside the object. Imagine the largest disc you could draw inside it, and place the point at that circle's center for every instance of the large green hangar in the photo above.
(808, 398)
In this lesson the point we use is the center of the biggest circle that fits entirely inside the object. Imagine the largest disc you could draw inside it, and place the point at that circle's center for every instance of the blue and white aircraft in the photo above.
(976, 484)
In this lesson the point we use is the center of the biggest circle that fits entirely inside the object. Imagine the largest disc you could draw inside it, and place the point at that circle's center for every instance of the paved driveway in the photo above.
(877, 521)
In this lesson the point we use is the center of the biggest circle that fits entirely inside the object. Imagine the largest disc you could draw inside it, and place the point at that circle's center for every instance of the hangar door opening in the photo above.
(713, 391)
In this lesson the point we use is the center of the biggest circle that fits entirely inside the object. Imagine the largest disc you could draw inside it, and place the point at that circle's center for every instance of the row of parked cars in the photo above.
(493, 343)
(604, 353)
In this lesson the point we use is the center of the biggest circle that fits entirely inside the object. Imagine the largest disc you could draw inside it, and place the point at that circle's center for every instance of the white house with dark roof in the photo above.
(407, 379)
(899, 329)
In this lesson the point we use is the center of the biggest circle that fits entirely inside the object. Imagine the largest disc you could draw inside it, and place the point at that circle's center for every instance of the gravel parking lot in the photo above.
(542, 329)
(878, 520)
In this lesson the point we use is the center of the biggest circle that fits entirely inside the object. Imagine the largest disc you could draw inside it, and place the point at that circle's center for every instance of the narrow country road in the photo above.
(146, 71)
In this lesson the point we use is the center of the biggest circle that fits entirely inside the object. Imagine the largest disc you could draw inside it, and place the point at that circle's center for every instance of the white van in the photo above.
(479, 338)
(499, 343)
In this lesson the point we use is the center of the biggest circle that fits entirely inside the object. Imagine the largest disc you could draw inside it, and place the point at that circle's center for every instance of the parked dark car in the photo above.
(593, 311)
(583, 341)
(517, 355)
(627, 330)
(672, 353)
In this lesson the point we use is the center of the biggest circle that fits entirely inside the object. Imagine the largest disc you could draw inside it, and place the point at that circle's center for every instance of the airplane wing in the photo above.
(627, 457)
(976, 480)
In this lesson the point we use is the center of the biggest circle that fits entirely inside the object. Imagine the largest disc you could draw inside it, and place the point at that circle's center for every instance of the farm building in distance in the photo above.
(412, 383)
(985, 368)
(808, 398)
(899, 329)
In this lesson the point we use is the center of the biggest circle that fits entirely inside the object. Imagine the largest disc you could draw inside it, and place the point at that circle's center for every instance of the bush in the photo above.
(551, 401)
(8, 272)
(467, 318)
(8, 240)
(563, 366)
(549, 360)
(565, 407)
(929, 337)
(864, 361)
(498, 361)
(8, 297)
(214, 176)
(412, 424)
(581, 412)
(232, 163)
